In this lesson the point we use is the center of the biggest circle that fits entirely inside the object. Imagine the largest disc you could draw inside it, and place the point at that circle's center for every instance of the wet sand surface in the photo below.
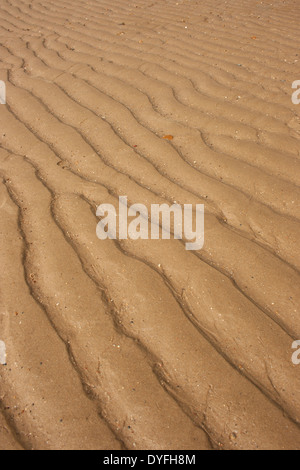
(142, 344)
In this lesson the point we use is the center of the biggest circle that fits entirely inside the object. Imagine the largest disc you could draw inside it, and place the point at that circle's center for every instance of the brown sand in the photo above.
(143, 345)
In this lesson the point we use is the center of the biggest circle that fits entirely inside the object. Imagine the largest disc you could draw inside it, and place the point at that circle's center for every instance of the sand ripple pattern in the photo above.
(143, 345)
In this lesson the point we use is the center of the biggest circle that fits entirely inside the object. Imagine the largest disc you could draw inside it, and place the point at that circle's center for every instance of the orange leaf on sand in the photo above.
(168, 137)
(253, 37)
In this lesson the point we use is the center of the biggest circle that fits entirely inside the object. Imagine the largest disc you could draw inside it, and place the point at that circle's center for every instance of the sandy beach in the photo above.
(141, 344)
